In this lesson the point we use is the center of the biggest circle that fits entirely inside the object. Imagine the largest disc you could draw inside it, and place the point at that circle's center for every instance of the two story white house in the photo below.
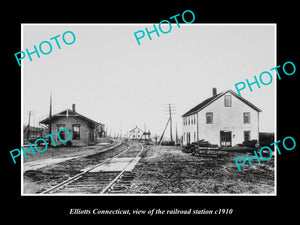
(136, 133)
(225, 119)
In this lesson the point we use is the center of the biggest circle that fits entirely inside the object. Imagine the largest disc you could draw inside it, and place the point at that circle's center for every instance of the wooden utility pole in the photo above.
(155, 137)
(50, 116)
(145, 131)
(170, 110)
(28, 130)
(171, 136)
(159, 142)
(176, 138)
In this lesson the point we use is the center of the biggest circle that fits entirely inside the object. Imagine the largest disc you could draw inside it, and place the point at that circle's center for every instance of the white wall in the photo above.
(190, 127)
(136, 133)
(227, 119)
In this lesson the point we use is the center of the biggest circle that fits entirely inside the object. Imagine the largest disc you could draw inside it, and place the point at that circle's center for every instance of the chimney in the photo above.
(214, 91)
(73, 107)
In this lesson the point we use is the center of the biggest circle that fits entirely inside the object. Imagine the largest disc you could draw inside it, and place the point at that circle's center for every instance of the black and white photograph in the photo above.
(148, 112)
(153, 115)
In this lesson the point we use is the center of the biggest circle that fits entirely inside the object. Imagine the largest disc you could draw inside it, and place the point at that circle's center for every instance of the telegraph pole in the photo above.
(145, 131)
(50, 115)
(176, 138)
(28, 131)
(170, 110)
(171, 136)
(159, 142)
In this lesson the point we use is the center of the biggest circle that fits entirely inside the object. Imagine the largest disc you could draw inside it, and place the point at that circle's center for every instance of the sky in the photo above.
(115, 81)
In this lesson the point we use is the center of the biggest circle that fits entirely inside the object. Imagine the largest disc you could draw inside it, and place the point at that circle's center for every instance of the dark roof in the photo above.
(208, 101)
(70, 113)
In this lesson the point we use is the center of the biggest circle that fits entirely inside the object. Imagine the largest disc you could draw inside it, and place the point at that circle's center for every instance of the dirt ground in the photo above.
(58, 164)
(165, 170)
(161, 170)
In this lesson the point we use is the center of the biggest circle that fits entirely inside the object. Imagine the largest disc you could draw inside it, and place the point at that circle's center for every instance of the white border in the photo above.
(22, 112)
(275, 122)
(141, 24)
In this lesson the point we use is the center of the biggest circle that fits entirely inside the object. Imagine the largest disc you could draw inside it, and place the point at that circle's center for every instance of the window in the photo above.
(247, 136)
(246, 117)
(62, 134)
(209, 118)
(76, 132)
(227, 100)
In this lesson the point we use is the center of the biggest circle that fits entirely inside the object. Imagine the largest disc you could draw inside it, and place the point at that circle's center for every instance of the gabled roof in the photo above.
(134, 129)
(68, 113)
(210, 100)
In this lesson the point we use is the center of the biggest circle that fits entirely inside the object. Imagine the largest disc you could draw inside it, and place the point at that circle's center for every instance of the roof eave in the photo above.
(217, 97)
(245, 101)
(208, 103)
(46, 121)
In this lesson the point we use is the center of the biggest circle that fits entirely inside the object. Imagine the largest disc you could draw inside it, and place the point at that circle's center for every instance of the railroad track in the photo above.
(98, 180)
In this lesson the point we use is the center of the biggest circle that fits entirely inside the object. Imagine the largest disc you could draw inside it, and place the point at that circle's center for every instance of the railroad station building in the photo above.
(84, 131)
(224, 119)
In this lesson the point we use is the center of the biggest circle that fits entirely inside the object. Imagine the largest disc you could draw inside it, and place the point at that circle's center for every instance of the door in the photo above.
(91, 136)
(225, 137)
(188, 138)
(247, 136)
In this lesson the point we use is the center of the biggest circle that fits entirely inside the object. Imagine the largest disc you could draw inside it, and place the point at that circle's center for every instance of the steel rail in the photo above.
(76, 177)
(121, 173)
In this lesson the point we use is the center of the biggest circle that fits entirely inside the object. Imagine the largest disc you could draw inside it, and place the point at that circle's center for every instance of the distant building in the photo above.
(225, 119)
(84, 131)
(137, 134)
